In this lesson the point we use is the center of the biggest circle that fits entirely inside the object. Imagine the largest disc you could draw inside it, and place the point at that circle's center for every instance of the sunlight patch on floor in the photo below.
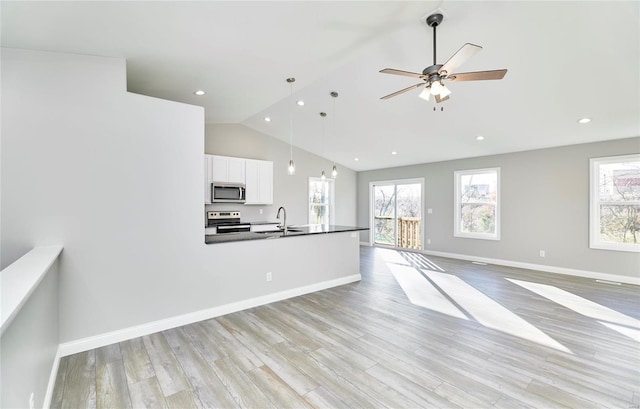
(613, 319)
(392, 256)
(421, 261)
(490, 313)
(633, 333)
(448, 294)
(421, 292)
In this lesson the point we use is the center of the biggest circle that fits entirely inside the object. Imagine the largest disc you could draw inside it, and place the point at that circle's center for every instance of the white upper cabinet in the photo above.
(227, 169)
(259, 181)
(257, 175)
(236, 167)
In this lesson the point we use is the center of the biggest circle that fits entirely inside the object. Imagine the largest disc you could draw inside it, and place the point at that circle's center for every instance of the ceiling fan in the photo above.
(434, 75)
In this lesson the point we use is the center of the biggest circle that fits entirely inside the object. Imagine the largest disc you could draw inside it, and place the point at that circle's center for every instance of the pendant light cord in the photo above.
(334, 125)
(291, 120)
(323, 118)
(334, 118)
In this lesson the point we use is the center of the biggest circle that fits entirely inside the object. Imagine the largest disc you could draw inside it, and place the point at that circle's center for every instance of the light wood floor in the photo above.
(476, 340)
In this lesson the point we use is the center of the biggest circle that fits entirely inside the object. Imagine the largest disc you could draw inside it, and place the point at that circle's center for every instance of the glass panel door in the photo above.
(384, 214)
(397, 214)
(409, 210)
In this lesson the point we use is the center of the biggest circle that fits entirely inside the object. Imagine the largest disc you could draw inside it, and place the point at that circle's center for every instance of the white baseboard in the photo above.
(540, 267)
(86, 344)
(365, 243)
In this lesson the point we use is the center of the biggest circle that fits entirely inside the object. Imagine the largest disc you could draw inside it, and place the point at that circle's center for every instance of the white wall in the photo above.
(544, 201)
(289, 191)
(117, 179)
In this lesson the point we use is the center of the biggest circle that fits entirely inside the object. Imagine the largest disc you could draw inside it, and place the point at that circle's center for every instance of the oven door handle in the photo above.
(233, 226)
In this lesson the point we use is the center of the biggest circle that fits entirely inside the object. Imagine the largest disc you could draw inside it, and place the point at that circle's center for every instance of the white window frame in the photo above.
(595, 241)
(456, 210)
(332, 201)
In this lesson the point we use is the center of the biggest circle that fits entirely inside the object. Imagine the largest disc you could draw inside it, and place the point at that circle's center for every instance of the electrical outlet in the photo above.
(429, 211)
(269, 276)
(428, 241)
(260, 211)
(542, 253)
(32, 401)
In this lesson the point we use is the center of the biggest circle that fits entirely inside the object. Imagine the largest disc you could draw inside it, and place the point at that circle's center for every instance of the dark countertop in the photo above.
(294, 231)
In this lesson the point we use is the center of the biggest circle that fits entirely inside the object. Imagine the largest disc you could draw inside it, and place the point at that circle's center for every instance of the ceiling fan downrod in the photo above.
(434, 21)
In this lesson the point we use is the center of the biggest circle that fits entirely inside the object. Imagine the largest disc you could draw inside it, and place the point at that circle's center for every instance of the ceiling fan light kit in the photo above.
(433, 77)
(425, 94)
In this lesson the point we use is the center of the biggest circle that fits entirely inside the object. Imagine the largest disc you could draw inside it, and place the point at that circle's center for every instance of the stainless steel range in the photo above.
(227, 222)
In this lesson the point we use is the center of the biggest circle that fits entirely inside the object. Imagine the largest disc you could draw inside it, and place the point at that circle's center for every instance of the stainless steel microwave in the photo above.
(228, 193)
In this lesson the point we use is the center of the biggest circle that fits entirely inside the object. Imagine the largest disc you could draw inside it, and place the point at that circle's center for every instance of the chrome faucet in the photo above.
(283, 226)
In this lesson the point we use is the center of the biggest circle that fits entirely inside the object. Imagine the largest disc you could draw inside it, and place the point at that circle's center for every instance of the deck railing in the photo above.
(407, 232)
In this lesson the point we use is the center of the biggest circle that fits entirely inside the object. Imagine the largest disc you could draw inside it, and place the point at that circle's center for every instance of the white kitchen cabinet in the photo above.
(257, 175)
(227, 169)
(259, 181)
(208, 178)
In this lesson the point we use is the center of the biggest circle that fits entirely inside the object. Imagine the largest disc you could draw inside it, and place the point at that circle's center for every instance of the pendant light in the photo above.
(291, 170)
(334, 171)
(323, 115)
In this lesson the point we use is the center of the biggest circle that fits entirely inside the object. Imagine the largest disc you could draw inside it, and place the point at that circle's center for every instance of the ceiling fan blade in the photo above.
(403, 91)
(400, 72)
(465, 52)
(478, 75)
(439, 100)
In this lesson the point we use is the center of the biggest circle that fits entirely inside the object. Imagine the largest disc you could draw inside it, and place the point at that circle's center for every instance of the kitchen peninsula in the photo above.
(283, 264)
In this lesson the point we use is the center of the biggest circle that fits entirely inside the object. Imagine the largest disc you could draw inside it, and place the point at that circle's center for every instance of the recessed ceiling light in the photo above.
(479, 138)
(267, 119)
(199, 92)
(356, 159)
(394, 153)
(584, 120)
(300, 103)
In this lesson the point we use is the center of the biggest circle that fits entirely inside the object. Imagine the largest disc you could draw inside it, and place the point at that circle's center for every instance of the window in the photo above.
(615, 203)
(477, 204)
(321, 203)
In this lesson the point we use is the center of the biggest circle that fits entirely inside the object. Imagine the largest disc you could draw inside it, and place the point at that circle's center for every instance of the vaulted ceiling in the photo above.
(566, 60)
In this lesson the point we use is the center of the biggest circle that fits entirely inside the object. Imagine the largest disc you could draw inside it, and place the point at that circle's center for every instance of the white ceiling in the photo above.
(566, 60)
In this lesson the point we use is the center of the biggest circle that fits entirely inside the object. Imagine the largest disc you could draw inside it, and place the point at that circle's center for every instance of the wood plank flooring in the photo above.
(366, 345)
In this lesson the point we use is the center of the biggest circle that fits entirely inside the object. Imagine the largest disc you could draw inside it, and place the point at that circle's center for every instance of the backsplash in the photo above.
(249, 213)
